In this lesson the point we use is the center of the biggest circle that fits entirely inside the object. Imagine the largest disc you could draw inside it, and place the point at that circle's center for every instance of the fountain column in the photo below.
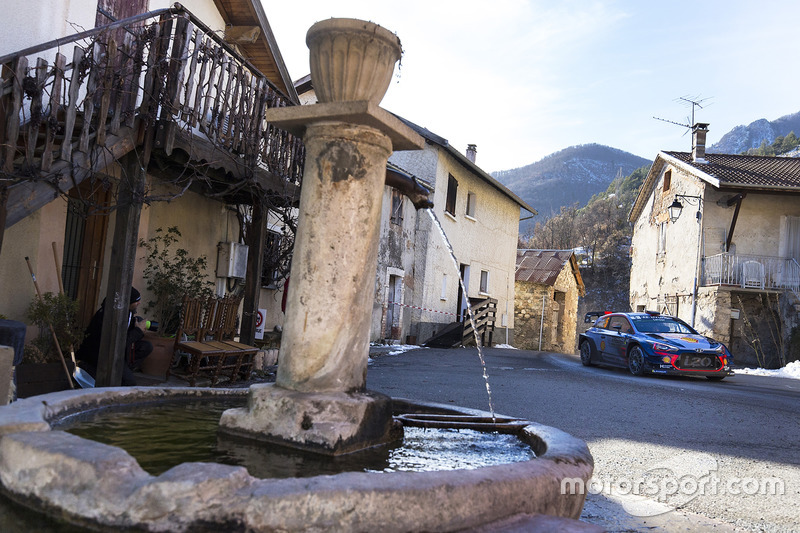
(319, 401)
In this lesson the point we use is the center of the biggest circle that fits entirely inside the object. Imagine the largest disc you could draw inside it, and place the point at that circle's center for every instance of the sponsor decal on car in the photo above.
(688, 339)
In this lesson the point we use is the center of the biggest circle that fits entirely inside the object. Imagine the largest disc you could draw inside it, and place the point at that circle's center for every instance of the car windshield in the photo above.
(661, 324)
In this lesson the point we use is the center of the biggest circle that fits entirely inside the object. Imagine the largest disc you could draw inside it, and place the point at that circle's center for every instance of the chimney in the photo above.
(699, 131)
(472, 151)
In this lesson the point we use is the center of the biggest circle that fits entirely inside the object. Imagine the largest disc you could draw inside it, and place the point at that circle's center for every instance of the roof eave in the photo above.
(274, 50)
(469, 165)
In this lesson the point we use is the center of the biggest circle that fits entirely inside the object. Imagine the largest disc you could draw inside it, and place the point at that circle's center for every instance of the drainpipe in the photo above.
(697, 262)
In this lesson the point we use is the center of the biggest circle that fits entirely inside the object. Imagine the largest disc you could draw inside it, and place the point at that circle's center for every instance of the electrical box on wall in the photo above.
(231, 260)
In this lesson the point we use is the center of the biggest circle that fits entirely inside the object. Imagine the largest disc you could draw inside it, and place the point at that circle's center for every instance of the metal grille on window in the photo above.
(397, 207)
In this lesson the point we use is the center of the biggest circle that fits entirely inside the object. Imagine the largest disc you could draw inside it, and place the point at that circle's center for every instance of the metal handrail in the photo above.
(778, 273)
(176, 9)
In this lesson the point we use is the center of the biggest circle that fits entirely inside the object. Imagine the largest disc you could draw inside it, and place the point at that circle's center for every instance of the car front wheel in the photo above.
(586, 353)
(636, 361)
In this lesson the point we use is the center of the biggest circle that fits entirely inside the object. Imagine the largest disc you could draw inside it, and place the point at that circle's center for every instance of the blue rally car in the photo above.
(652, 343)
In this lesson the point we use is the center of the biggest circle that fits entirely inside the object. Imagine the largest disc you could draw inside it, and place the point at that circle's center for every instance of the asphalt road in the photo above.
(671, 454)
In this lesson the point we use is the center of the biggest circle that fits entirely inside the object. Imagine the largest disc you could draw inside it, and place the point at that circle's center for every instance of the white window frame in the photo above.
(662, 239)
(472, 202)
(484, 283)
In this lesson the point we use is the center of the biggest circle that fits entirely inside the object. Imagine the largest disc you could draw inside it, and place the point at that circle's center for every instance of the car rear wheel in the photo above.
(586, 353)
(715, 378)
(636, 361)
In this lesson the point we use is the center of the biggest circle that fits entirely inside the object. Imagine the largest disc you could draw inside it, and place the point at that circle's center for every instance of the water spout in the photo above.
(449, 246)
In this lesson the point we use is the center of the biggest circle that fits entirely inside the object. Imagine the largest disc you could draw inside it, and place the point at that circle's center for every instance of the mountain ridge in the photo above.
(742, 138)
(569, 176)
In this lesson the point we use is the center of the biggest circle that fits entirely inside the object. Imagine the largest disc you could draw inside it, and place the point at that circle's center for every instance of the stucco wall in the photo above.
(30, 22)
(32, 238)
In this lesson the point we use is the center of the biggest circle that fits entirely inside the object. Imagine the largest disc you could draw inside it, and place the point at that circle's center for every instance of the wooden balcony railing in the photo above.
(751, 271)
(163, 79)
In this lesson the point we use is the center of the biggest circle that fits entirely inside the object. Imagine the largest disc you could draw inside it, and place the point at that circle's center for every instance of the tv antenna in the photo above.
(695, 102)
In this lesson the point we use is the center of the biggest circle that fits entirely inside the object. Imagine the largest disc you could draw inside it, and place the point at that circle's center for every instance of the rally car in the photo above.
(652, 343)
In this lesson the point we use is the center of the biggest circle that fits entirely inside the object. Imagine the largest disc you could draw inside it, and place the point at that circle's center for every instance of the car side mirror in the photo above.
(617, 327)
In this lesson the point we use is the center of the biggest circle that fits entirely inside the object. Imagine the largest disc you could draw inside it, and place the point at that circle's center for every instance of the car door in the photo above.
(616, 340)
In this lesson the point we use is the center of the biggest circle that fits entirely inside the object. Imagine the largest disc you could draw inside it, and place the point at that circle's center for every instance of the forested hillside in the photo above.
(601, 233)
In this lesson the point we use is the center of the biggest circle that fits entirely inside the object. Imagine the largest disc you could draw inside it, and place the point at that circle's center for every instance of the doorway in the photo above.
(393, 311)
(462, 302)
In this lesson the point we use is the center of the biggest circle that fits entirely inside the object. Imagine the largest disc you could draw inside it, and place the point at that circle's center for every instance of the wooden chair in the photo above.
(197, 315)
(238, 356)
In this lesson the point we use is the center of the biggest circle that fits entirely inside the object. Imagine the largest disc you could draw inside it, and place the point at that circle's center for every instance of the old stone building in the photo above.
(547, 286)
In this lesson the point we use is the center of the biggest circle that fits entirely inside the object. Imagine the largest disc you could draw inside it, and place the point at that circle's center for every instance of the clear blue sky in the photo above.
(525, 78)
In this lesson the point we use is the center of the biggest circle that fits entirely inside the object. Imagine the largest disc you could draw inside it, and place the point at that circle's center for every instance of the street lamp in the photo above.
(675, 210)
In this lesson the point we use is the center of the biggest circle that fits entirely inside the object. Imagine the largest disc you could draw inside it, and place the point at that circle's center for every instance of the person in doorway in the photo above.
(136, 348)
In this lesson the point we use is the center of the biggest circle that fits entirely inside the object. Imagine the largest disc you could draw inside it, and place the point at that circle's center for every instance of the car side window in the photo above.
(602, 322)
(621, 323)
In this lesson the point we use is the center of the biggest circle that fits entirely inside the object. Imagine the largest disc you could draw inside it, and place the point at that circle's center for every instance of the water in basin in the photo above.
(165, 435)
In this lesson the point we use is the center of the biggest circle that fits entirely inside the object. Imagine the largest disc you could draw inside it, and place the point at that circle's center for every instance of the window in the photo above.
(452, 189)
(471, 204)
(484, 282)
(621, 323)
(397, 207)
(667, 181)
(662, 238)
(444, 287)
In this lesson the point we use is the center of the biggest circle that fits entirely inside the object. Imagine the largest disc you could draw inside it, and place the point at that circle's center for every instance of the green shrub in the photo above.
(170, 274)
(62, 312)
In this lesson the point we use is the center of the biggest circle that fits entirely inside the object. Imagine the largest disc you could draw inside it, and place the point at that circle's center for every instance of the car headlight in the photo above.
(659, 347)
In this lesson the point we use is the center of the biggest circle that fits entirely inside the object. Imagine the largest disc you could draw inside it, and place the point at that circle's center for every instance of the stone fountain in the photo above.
(319, 401)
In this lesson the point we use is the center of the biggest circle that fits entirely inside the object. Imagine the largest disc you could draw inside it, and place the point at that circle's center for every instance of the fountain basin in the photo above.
(91, 483)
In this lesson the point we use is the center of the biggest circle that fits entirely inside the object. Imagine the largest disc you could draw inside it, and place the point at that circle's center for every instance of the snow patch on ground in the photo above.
(792, 370)
(507, 346)
(400, 348)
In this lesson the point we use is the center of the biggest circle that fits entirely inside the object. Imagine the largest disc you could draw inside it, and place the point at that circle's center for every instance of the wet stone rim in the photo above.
(93, 483)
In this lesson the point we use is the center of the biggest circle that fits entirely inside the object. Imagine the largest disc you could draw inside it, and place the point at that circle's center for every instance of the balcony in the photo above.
(751, 271)
(161, 83)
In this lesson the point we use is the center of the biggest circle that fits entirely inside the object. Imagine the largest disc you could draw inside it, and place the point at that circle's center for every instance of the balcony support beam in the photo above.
(738, 201)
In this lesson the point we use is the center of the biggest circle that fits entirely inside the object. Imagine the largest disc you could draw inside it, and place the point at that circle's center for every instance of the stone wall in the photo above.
(558, 330)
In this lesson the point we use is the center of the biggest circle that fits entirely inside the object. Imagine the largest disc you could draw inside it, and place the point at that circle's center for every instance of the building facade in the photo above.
(727, 262)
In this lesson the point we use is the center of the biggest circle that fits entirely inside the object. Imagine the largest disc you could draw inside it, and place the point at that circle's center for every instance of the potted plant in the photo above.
(41, 370)
(170, 273)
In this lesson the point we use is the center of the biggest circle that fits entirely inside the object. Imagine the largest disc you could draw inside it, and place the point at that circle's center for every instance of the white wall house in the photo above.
(417, 278)
(728, 263)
